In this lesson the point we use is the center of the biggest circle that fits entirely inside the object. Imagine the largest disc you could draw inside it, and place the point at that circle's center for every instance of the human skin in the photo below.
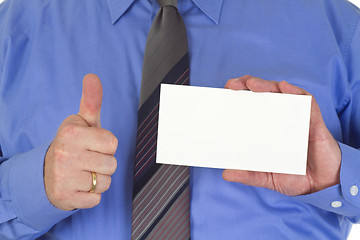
(80, 147)
(324, 155)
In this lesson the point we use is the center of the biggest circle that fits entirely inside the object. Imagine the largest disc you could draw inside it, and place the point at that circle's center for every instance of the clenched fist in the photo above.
(80, 147)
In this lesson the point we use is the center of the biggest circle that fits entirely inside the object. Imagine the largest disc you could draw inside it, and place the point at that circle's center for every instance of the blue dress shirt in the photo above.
(47, 46)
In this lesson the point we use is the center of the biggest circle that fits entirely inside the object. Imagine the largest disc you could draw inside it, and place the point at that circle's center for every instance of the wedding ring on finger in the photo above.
(93, 183)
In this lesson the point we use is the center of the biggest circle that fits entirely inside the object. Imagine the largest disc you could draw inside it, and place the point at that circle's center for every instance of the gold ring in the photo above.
(93, 184)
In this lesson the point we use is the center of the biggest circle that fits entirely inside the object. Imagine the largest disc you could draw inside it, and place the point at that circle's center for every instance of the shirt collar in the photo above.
(212, 8)
(117, 8)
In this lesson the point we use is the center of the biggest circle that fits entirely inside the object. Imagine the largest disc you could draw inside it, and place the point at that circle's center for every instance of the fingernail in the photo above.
(235, 79)
(231, 80)
(255, 79)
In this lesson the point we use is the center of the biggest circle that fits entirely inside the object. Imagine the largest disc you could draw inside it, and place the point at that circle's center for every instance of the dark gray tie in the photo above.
(161, 192)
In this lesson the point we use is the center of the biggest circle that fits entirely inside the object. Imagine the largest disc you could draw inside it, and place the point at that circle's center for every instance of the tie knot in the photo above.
(164, 3)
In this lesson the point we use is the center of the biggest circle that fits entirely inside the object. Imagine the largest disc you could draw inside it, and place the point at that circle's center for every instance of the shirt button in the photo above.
(354, 190)
(336, 204)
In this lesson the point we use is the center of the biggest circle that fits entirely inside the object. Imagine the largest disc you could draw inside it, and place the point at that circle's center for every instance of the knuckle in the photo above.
(96, 199)
(113, 144)
(107, 183)
(248, 76)
(70, 131)
(60, 155)
(269, 181)
(70, 119)
(113, 165)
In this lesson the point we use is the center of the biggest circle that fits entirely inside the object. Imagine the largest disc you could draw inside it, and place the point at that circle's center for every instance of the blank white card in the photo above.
(227, 129)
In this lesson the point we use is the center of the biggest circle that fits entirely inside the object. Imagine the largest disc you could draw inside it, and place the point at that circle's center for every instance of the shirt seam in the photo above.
(346, 53)
(350, 40)
(13, 200)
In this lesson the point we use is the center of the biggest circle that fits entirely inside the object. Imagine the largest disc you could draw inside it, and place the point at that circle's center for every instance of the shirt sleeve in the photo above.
(344, 198)
(25, 211)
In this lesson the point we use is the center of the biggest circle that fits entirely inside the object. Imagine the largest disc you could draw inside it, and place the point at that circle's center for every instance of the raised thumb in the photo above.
(90, 104)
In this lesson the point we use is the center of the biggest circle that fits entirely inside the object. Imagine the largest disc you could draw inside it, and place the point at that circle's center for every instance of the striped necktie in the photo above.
(161, 192)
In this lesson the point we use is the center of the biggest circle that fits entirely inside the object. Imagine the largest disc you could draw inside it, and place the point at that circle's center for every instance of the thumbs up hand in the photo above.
(81, 147)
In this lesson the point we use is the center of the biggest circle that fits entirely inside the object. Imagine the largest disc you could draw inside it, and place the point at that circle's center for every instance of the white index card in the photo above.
(227, 129)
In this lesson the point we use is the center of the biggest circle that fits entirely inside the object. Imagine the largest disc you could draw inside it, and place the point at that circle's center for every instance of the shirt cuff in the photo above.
(27, 191)
(343, 198)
